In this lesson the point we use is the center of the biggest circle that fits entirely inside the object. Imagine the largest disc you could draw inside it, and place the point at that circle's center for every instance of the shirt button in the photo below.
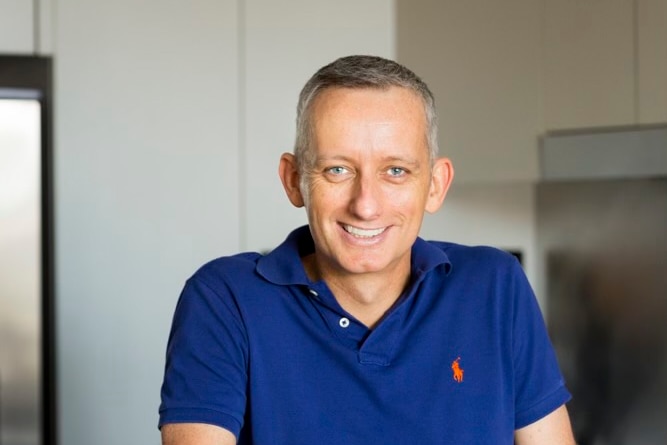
(344, 322)
(312, 292)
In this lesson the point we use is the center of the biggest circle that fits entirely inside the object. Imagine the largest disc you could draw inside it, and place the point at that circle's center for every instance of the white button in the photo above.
(313, 292)
(344, 322)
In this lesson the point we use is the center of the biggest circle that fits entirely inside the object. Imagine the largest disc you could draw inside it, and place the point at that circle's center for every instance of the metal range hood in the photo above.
(604, 153)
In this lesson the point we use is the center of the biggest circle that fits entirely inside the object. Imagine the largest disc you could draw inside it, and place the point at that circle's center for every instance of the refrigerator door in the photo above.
(20, 272)
(603, 247)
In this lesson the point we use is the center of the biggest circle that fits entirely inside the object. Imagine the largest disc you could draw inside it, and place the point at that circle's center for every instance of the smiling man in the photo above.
(355, 330)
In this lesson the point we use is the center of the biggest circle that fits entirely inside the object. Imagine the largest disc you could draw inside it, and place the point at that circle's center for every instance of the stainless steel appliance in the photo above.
(27, 414)
(602, 237)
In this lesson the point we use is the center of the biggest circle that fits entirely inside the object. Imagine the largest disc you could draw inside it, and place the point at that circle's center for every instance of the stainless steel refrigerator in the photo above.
(602, 241)
(27, 414)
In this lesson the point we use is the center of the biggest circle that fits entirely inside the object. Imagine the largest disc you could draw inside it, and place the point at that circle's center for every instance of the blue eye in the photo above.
(396, 171)
(337, 170)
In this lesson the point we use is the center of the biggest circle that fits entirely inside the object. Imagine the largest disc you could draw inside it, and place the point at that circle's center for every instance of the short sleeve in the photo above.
(206, 364)
(538, 382)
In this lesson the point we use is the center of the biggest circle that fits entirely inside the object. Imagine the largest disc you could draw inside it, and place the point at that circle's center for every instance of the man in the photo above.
(354, 330)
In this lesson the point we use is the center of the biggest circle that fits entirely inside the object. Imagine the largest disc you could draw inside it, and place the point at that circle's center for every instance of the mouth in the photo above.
(363, 233)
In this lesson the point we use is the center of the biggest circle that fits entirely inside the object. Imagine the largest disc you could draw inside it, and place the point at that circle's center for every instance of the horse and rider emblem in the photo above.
(458, 372)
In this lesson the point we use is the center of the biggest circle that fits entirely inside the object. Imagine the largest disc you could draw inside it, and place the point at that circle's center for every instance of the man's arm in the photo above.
(196, 434)
(553, 429)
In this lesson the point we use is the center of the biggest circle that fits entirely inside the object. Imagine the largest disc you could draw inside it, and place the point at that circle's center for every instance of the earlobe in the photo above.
(289, 176)
(441, 179)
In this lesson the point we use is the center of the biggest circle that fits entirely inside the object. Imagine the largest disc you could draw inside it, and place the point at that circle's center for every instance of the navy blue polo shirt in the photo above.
(463, 357)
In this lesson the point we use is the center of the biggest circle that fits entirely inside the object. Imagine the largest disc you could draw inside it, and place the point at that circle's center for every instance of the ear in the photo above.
(289, 175)
(441, 178)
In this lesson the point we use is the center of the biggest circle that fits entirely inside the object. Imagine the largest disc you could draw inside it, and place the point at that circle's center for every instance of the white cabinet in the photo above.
(482, 59)
(16, 27)
(605, 63)
(505, 72)
(652, 61)
(589, 63)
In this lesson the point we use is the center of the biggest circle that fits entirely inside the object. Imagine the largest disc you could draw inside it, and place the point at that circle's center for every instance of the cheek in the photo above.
(330, 195)
(405, 197)
(322, 199)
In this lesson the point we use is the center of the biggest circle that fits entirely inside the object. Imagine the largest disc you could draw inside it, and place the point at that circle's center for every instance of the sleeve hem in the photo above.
(545, 406)
(200, 415)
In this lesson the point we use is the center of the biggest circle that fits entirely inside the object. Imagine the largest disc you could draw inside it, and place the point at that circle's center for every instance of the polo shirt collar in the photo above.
(282, 265)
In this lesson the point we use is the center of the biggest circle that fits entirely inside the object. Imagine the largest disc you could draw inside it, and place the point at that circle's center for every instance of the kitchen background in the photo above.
(169, 118)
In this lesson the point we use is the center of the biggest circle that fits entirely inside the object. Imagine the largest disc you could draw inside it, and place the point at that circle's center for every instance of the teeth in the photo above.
(361, 233)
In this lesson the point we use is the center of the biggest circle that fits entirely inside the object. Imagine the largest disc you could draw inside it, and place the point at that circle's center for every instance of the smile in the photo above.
(363, 233)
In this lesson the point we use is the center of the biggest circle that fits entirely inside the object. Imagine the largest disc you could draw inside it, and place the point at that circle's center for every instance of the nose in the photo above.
(366, 199)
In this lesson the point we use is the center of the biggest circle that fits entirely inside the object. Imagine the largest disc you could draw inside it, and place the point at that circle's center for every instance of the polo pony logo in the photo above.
(458, 372)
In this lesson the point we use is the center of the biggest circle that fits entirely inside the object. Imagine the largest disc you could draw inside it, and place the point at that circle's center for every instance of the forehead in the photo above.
(369, 118)
(393, 102)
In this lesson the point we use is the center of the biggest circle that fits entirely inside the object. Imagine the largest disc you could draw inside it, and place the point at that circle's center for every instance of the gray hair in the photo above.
(358, 72)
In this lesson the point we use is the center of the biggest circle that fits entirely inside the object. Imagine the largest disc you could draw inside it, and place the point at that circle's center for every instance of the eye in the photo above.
(396, 171)
(337, 170)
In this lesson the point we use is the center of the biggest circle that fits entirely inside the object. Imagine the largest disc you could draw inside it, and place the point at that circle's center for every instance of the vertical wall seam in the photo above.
(242, 153)
(635, 61)
(543, 78)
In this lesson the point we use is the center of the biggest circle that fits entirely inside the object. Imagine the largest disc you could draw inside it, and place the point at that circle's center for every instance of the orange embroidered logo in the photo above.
(458, 372)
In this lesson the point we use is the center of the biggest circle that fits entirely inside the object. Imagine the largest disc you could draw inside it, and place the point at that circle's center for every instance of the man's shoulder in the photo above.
(238, 266)
(475, 254)
(458, 250)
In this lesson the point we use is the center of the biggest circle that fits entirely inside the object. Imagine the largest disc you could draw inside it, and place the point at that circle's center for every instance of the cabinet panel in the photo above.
(589, 63)
(652, 60)
(482, 59)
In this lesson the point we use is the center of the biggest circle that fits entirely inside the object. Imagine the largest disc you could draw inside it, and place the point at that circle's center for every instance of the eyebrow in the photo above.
(390, 159)
(409, 161)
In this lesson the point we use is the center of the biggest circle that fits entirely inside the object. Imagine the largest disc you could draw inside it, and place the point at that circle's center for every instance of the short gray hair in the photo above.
(359, 72)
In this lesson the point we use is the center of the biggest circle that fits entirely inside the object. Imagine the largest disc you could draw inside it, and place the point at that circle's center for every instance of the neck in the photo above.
(367, 297)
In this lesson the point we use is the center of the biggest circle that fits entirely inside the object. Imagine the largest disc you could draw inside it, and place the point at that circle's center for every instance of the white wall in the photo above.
(146, 167)
(16, 27)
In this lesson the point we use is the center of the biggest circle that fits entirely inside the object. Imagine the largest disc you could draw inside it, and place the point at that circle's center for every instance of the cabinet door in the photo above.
(482, 59)
(652, 60)
(589, 63)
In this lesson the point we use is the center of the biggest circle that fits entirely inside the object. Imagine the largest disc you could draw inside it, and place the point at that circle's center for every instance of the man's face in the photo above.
(371, 181)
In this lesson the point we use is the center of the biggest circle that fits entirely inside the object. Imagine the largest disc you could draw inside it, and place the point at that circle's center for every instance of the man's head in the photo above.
(367, 171)
(359, 72)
